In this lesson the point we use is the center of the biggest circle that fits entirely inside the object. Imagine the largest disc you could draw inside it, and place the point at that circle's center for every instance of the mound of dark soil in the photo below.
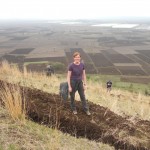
(103, 125)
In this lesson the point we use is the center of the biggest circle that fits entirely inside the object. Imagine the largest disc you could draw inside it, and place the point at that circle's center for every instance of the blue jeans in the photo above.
(77, 85)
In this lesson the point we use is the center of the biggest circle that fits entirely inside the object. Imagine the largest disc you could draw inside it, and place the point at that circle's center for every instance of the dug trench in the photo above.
(102, 126)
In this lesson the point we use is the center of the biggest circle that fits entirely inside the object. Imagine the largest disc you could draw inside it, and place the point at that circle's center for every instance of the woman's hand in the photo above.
(70, 89)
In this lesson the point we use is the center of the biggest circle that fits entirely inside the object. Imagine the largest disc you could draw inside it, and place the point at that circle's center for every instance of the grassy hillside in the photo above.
(119, 101)
(16, 135)
(119, 84)
(24, 134)
(19, 133)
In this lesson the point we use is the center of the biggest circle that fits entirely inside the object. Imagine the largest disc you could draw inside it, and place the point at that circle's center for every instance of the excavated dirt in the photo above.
(102, 126)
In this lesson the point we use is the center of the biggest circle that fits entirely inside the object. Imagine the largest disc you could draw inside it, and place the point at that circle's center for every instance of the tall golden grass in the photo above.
(13, 101)
(12, 74)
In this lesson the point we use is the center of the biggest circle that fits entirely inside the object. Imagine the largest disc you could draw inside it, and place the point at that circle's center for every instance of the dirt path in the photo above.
(103, 125)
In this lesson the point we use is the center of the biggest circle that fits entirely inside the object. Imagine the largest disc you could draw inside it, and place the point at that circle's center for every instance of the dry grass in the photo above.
(12, 74)
(15, 136)
(14, 101)
(120, 102)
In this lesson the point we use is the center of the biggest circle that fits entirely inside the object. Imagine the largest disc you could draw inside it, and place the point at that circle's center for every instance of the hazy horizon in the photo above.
(125, 19)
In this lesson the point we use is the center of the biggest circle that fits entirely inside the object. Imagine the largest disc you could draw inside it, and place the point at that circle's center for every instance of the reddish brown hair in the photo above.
(76, 53)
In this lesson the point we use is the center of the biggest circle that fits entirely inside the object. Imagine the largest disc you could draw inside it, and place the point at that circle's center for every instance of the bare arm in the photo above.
(84, 77)
(68, 80)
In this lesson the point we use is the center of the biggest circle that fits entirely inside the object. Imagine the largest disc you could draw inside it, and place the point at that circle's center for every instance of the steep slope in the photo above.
(103, 125)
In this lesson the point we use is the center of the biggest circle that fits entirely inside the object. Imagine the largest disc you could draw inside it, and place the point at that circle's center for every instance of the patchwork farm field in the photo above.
(101, 48)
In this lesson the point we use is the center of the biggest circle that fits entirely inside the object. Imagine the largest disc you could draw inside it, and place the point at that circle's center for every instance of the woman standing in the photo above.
(77, 82)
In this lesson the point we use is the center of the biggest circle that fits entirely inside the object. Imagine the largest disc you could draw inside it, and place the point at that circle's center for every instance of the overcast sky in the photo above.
(72, 9)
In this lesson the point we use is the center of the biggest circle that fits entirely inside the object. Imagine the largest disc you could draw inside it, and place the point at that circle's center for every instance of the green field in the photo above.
(118, 84)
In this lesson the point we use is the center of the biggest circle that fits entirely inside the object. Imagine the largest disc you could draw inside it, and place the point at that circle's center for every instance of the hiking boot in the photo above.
(88, 113)
(74, 112)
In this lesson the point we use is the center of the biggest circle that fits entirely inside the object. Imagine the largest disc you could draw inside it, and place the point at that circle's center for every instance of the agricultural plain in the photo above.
(105, 49)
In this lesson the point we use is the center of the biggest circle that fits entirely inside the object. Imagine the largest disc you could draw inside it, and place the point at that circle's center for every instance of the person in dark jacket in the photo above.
(109, 86)
(76, 78)
(49, 70)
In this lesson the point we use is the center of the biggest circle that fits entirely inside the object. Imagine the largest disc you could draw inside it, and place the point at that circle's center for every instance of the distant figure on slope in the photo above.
(76, 78)
(49, 70)
(109, 86)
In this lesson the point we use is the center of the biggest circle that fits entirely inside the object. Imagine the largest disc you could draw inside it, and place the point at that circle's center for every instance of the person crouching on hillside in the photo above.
(76, 78)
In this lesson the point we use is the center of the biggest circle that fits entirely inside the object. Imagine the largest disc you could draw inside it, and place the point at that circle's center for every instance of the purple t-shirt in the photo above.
(76, 71)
